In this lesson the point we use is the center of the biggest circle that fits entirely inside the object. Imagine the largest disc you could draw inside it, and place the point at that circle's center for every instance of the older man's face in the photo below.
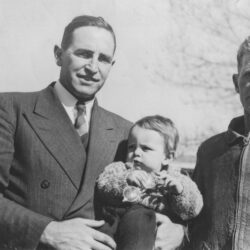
(243, 83)
(86, 62)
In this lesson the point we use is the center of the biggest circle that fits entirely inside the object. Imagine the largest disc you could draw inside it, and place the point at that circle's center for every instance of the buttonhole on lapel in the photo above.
(45, 184)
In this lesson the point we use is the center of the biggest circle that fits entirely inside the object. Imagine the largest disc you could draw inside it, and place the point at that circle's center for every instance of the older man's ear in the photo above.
(235, 81)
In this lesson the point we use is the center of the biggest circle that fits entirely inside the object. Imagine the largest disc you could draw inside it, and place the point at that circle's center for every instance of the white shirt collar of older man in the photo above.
(69, 101)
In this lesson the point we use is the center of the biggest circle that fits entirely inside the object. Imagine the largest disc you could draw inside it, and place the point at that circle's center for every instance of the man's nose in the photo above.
(92, 66)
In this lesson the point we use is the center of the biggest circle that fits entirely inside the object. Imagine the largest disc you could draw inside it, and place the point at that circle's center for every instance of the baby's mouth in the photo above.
(137, 164)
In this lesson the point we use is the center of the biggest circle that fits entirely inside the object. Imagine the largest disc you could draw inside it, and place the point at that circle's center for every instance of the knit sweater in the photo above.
(186, 205)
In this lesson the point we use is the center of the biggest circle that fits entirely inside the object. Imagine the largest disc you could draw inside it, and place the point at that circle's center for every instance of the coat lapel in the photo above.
(102, 147)
(54, 128)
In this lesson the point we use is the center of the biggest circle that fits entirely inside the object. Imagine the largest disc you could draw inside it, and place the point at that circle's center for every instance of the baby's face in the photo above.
(146, 149)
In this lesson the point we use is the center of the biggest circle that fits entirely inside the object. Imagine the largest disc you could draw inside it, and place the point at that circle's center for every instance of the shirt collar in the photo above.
(236, 131)
(69, 101)
(65, 97)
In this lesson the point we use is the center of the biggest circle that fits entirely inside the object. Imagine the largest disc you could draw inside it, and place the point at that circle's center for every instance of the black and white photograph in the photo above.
(124, 125)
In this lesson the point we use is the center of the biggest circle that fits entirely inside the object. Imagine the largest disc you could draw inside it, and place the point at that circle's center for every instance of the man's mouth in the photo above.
(88, 78)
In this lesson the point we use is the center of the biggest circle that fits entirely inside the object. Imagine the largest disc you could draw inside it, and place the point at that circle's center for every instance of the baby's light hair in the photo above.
(165, 127)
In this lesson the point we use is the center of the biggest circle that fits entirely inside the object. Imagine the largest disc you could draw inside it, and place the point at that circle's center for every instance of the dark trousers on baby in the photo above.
(133, 229)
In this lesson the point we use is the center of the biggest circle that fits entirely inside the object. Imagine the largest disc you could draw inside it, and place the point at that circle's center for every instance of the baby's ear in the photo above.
(165, 162)
(169, 158)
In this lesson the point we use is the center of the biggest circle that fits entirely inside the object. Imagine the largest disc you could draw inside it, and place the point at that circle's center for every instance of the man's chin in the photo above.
(85, 92)
(80, 93)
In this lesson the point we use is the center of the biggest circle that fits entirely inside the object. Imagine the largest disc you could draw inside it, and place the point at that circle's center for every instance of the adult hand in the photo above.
(169, 235)
(77, 234)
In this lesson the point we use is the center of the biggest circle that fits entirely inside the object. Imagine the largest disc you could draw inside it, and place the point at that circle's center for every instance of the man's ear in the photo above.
(58, 55)
(235, 81)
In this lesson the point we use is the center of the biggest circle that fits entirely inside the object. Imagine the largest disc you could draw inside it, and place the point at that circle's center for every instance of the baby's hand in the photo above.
(139, 178)
(172, 184)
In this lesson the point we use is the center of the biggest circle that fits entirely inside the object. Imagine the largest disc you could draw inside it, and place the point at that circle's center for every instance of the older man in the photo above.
(55, 142)
(223, 176)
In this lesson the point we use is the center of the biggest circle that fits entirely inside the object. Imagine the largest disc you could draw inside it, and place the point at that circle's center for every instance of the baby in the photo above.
(146, 184)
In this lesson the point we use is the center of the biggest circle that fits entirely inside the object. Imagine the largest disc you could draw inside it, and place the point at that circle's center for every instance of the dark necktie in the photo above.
(81, 123)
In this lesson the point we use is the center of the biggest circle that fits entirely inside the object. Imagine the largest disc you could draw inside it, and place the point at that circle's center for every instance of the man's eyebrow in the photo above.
(84, 51)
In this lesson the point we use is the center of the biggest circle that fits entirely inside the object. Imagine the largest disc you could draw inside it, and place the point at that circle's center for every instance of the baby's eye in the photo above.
(131, 147)
(146, 148)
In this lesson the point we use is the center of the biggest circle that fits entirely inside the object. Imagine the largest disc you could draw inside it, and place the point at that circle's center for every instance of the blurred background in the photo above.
(174, 57)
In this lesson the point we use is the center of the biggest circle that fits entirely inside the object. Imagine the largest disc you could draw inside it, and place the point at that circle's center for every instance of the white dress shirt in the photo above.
(69, 101)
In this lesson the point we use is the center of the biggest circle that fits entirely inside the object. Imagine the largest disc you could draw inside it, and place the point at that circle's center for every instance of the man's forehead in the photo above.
(93, 37)
(245, 63)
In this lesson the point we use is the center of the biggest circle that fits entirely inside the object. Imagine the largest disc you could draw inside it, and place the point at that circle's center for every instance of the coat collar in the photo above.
(54, 128)
(235, 132)
(102, 147)
(52, 125)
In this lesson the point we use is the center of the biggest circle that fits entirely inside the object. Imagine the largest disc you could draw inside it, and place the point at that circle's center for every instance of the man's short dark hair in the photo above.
(83, 21)
(243, 49)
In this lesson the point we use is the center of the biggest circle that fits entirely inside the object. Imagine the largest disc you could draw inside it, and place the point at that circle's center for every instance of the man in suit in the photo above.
(53, 145)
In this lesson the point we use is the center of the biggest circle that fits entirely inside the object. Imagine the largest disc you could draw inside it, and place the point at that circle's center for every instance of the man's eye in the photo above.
(131, 147)
(105, 59)
(84, 54)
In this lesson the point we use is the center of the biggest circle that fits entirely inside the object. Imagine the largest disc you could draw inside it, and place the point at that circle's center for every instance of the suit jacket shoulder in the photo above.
(117, 119)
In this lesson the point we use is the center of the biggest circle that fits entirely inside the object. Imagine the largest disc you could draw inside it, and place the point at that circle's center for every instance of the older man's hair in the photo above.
(243, 49)
(165, 127)
(84, 21)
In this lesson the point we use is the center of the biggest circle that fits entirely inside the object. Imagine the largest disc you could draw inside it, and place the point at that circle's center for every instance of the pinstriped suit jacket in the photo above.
(42, 172)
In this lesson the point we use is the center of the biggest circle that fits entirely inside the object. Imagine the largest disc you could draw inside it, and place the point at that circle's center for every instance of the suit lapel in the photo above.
(102, 148)
(54, 128)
